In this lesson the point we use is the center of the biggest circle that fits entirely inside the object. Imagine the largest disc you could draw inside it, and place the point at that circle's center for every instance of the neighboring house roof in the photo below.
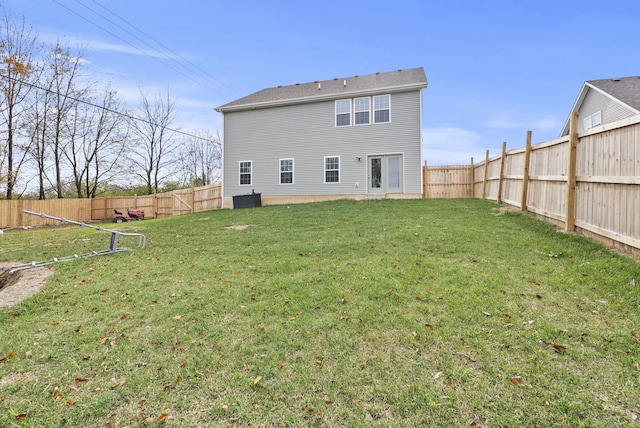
(394, 81)
(623, 90)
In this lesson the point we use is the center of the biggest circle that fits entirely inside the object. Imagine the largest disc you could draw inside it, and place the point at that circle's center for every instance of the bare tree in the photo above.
(18, 72)
(97, 135)
(67, 89)
(37, 134)
(154, 147)
(201, 158)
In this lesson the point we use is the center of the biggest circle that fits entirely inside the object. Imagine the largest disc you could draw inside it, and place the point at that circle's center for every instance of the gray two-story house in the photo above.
(354, 137)
(605, 101)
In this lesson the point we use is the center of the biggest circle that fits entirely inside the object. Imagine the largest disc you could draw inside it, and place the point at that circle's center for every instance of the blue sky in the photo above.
(495, 68)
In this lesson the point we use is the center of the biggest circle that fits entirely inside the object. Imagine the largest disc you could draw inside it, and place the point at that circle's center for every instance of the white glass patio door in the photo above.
(385, 174)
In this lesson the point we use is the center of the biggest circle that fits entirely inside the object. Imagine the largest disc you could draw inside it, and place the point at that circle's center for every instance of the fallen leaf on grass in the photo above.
(559, 348)
(257, 379)
(118, 385)
(80, 380)
(162, 417)
(486, 314)
(21, 416)
(176, 318)
(517, 380)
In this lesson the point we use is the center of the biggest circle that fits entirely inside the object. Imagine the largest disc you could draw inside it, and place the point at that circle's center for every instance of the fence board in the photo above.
(449, 181)
(173, 203)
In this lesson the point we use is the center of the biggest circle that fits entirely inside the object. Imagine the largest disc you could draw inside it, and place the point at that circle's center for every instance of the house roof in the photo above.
(393, 81)
(624, 90)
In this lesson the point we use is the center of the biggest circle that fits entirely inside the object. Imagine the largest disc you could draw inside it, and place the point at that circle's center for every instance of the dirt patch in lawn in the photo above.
(17, 286)
(238, 226)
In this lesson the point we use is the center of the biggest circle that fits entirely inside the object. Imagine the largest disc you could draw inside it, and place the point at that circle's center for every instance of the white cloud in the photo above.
(544, 123)
(449, 146)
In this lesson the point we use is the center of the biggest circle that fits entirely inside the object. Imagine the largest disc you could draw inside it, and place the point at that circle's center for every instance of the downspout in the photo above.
(222, 164)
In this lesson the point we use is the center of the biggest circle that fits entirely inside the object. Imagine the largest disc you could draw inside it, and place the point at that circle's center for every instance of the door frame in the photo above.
(385, 171)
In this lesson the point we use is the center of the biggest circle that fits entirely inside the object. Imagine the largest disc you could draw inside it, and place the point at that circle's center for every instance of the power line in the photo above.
(199, 70)
(128, 116)
(131, 45)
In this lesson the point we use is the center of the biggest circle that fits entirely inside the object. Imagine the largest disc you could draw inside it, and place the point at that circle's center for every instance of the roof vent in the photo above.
(279, 86)
(615, 80)
(399, 69)
(335, 78)
(355, 75)
(297, 84)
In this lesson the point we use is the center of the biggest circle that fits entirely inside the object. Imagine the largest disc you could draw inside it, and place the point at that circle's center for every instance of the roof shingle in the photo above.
(625, 89)
(413, 78)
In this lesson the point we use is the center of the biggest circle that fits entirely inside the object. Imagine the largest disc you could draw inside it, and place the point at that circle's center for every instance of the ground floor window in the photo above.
(286, 171)
(245, 173)
(332, 169)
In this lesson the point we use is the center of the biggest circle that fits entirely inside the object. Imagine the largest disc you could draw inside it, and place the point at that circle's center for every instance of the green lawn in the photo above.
(373, 313)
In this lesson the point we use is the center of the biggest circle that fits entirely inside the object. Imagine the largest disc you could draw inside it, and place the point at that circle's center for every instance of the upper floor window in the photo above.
(332, 169)
(592, 120)
(381, 108)
(361, 108)
(245, 173)
(343, 112)
(286, 171)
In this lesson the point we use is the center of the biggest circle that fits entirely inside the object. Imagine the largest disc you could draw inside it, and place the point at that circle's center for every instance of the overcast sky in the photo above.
(495, 68)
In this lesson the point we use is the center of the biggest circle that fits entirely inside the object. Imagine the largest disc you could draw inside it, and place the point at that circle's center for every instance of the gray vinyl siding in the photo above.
(595, 101)
(307, 134)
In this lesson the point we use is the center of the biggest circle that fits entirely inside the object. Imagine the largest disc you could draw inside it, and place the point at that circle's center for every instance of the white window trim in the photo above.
(324, 170)
(335, 115)
(596, 118)
(281, 171)
(240, 173)
(373, 108)
(355, 111)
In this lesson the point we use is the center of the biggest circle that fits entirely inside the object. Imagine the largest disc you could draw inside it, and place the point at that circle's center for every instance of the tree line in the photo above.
(62, 133)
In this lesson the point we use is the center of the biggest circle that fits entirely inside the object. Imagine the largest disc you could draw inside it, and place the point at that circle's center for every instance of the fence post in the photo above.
(425, 181)
(571, 173)
(525, 174)
(193, 197)
(473, 190)
(502, 162)
(486, 174)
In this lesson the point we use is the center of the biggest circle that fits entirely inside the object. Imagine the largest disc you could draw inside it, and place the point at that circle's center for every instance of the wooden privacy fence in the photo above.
(587, 182)
(159, 205)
